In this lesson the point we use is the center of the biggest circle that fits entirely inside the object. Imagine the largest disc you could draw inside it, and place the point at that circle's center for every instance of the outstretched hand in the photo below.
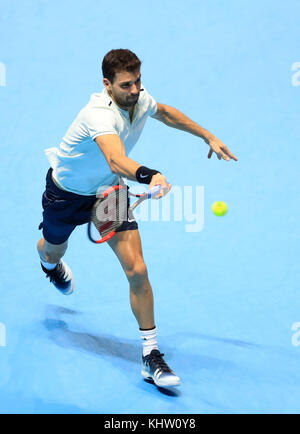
(220, 149)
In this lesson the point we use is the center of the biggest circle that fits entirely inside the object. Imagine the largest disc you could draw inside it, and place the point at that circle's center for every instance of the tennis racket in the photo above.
(110, 211)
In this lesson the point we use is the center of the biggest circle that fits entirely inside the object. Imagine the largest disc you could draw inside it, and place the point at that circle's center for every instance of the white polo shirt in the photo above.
(78, 164)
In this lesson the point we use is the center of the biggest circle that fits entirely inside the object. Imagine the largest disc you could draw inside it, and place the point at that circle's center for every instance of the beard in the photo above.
(127, 102)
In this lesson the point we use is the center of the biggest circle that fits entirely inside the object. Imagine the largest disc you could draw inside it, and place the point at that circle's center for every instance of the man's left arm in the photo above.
(175, 119)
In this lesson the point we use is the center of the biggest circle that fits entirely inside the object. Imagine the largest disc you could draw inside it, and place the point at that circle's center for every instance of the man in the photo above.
(93, 154)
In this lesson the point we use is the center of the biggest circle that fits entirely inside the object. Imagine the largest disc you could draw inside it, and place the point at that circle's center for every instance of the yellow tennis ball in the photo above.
(219, 208)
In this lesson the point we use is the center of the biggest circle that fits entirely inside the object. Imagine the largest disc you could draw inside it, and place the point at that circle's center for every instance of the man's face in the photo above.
(125, 89)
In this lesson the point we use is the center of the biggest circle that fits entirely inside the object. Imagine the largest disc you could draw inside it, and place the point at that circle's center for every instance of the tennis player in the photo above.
(93, 154)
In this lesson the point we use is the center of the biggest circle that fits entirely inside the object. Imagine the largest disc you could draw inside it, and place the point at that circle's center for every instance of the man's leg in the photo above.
(53, 266)
(127, 246)
(61, 209)
(51, 253)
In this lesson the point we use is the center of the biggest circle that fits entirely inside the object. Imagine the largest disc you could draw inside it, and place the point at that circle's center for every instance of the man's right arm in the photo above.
(114, 152)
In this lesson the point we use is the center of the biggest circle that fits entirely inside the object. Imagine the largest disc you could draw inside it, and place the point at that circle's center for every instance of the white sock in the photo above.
(48, 266)
(149, 338)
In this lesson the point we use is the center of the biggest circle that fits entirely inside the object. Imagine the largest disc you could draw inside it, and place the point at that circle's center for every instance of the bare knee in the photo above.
(51, 252)
(137, 274)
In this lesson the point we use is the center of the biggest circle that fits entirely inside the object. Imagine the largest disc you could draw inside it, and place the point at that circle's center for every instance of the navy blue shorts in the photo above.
(63, 211)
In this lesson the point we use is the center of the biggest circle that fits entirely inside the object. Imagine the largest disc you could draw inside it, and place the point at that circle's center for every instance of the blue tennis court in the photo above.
(227, 302)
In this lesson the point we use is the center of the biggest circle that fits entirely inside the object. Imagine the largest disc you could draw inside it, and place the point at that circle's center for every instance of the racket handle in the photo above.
(154, 191)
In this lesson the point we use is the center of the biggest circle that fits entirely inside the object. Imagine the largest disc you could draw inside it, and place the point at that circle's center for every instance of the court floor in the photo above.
(227, 300)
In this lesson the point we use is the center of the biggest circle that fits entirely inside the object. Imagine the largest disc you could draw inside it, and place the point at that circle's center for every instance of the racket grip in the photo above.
(154, 191)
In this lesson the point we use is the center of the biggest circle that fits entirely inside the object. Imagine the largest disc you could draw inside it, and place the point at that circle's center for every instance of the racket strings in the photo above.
(109, 213)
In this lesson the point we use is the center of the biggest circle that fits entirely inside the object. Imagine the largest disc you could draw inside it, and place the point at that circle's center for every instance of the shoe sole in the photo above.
(146, 375)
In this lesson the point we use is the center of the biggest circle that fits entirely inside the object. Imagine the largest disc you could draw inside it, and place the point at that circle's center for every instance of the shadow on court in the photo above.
(235, 342)
(105, 345)
(62, 335)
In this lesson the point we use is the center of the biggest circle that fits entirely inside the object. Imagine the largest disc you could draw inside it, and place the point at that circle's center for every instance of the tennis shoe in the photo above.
(61, 277)
(155, 368)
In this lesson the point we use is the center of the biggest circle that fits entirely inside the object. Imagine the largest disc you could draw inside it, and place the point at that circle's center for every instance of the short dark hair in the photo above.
(119, 60)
